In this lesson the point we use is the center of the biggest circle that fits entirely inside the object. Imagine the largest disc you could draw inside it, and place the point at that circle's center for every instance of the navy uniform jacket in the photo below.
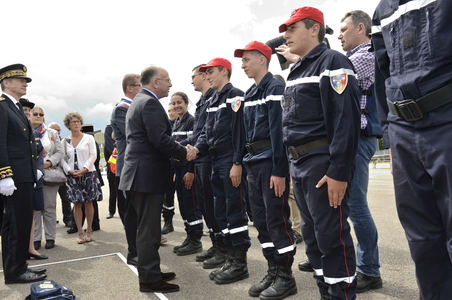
(17, 143)
(200, 121)
(413, 57)
(224, 124)
(149, 146)
(118, 123)
(263, 120)
(182, 129)
(322, 100)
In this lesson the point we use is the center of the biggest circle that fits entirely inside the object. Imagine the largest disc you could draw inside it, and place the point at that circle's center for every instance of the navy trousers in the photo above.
(422, 172)
(270, 214)
(326, 232)
(230, 205)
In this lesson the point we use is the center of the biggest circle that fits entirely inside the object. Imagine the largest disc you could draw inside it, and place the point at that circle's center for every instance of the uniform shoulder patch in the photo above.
(236, 103)
(339, 82)
(2, 98)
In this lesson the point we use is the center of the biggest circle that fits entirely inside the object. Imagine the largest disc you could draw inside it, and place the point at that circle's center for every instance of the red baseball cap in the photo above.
(305, 12)
(217, 62)
(254, 45)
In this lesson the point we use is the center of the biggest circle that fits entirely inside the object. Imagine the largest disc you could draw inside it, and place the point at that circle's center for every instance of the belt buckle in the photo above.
(249, 148)
(293, 151)
(409, 110)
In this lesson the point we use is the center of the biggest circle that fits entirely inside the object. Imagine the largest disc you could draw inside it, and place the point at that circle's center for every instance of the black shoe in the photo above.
(298, 238)
(110, 215)
(168, 276)
(365, 283)
(37, 245)
(158, 287)
(184, 243)
(37, 271)
(50, 244)
(284, 285)
(217, 260)
(305, 266)
(37, 257)
(132, 261)
(325, 297)
(257, 288)
(168, 226)
(27, 277)
(208, 254)
(71, 230)
(238, 270)
(193, 246)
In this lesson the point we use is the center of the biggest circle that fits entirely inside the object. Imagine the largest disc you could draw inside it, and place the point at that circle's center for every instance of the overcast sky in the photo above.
(77, 52)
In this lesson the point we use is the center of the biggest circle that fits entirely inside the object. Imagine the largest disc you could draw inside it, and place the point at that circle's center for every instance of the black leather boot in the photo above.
(168, 225)
(184, 243)
(283, 286)
(229, 257)
(217, 260)
(193, 246)
(208, 254)
(256, 289)
(237, 271)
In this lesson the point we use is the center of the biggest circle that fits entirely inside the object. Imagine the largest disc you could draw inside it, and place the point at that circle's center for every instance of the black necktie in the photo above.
(19, 105)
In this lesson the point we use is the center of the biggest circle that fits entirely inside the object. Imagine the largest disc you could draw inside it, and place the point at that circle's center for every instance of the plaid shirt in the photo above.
(364, 63)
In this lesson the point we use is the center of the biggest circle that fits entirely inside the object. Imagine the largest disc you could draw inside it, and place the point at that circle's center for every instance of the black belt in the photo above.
(412, 110)
(256, 146)
(304, 149)
(215, 151)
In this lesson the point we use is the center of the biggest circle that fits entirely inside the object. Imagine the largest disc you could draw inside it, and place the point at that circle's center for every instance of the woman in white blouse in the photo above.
(82, 184)
(53, 153)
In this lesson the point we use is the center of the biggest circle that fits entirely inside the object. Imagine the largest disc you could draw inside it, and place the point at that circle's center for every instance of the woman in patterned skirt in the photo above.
(82, 184)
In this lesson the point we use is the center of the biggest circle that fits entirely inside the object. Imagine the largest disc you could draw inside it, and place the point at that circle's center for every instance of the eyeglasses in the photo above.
(37, 114)
(135, 84)
(168, 80)
(193, 76)
(75, 122)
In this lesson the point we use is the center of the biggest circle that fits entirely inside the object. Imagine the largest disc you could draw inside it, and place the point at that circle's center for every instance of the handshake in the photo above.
(191, 152)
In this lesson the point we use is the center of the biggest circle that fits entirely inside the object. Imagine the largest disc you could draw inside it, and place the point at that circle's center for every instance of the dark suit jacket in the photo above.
(118, 123)
(17, 144)
(149, 146)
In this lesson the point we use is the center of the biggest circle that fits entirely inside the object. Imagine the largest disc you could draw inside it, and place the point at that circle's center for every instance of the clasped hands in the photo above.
(191, 152)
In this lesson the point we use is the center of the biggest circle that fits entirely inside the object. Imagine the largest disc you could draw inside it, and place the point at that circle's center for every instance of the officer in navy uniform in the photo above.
(413, 84)
(18, 174)
(268, 172)
(321, 127)
(215, 256)
(186, 196)
(224, 137)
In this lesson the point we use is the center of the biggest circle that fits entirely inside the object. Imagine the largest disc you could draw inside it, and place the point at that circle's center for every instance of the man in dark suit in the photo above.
(146, 173)
(108, 150)
(18, 173)
(131, 86)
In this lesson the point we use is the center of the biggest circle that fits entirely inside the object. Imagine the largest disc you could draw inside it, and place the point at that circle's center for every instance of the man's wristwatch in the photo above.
(237, 163)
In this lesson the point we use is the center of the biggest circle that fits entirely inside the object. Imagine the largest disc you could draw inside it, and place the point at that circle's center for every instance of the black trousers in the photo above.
(121, 200)
(112, 191)
(17, 218)
(147, 207)
(65, 205)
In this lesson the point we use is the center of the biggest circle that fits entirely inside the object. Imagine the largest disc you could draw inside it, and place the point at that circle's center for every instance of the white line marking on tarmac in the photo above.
(160, 295)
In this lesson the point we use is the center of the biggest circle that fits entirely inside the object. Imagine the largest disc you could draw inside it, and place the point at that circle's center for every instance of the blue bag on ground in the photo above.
(49, 289)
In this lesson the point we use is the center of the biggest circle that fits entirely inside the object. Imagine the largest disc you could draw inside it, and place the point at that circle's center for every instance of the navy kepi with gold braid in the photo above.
(14, 71)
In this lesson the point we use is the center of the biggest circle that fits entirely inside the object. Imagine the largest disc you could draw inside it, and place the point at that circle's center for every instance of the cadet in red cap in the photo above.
(268, 172)
(224, 137)
(321, 128)
(18, 174)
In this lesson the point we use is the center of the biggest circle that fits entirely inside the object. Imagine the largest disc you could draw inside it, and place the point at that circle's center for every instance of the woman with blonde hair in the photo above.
(83, 185)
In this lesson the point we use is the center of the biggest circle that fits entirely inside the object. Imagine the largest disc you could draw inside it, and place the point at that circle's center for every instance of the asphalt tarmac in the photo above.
(97, 270)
